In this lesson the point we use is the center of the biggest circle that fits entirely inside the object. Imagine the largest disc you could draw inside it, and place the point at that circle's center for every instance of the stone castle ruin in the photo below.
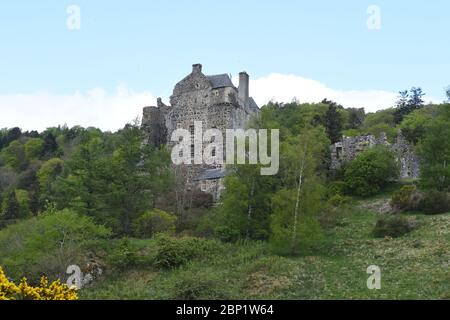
(211, 99)
(218, 104)
(350, 147)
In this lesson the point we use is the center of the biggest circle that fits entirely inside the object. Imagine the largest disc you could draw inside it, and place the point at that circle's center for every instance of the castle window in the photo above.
(213, 152)
(192, 151)
(213, 138)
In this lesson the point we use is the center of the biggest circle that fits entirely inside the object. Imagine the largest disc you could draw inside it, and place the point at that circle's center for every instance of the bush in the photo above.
(202, 200)
(336, 188)
(393, 226)
(370, 171)
(195, 283)
(337, 207)
(434, 202)
(339, 200)
(405, 199)
(154, 222)
(192, 285)
(124, 254)
(48, 244)
(172, 252)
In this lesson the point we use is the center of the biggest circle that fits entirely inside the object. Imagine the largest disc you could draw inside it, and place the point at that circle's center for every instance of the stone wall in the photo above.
(351, 147)
(408, 160)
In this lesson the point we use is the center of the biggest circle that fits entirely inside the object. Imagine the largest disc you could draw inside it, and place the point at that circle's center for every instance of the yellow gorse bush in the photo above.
(44, 291)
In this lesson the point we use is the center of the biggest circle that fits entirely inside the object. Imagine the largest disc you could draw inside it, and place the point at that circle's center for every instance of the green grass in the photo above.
(415, 266)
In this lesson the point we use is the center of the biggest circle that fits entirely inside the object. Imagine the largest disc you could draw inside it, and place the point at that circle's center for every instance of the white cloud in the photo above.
(97, 108)
(283, 88)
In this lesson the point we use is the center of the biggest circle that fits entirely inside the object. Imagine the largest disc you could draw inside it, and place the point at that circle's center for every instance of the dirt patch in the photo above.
(382, 206)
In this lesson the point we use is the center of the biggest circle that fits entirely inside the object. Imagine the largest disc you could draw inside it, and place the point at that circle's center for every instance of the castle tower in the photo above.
(216, 103)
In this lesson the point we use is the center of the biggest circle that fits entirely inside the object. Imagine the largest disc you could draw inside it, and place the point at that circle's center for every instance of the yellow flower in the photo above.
(44, 291)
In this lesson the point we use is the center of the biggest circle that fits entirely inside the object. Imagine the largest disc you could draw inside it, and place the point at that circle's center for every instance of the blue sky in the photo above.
(147, 46)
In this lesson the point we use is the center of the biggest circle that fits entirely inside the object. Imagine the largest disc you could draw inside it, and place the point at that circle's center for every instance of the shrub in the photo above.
(339, 200)
(173, 252)
(370, 171)
(337, 207)
(195, 283)
(202, 200)
(44, 291)
(192, 285)
(124, 256)
(154, 222)
(393, 226)
(48, 244)
(434, 202)
(405, 199)
(336, 188)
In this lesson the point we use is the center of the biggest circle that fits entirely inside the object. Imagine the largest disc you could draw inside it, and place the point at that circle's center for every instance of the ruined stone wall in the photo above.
(154, 124)
(408, 160)
(351, 147)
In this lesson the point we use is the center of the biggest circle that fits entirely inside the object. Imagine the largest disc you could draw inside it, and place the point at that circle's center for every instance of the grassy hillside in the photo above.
(415, 266)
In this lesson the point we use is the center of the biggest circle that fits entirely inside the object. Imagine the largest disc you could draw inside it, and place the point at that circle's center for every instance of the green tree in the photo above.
(370, 171)
(414, 125)
(47, 176)
(296, 205)
(34, 148)
(50, 145)
(115, 184)
(245, 211)
(153, 222)
(8, 136)
(333, 124)
(434, 151)
(381, 121)
(408, 102)
(14, 156)
(24, 201)
(355, 118)
(10, 207)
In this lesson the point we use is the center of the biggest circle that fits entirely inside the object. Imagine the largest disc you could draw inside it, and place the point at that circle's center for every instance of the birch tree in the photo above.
(295, 207)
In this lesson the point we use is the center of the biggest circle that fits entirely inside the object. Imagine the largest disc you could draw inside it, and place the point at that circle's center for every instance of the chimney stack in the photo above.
(243, 91)
(196, 68)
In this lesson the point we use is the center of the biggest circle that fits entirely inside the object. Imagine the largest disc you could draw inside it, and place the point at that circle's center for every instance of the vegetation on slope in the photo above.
(104, 201)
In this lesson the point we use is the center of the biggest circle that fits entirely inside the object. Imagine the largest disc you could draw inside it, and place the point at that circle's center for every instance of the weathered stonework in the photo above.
(214, 101)
(409, 162)
(351, 147)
